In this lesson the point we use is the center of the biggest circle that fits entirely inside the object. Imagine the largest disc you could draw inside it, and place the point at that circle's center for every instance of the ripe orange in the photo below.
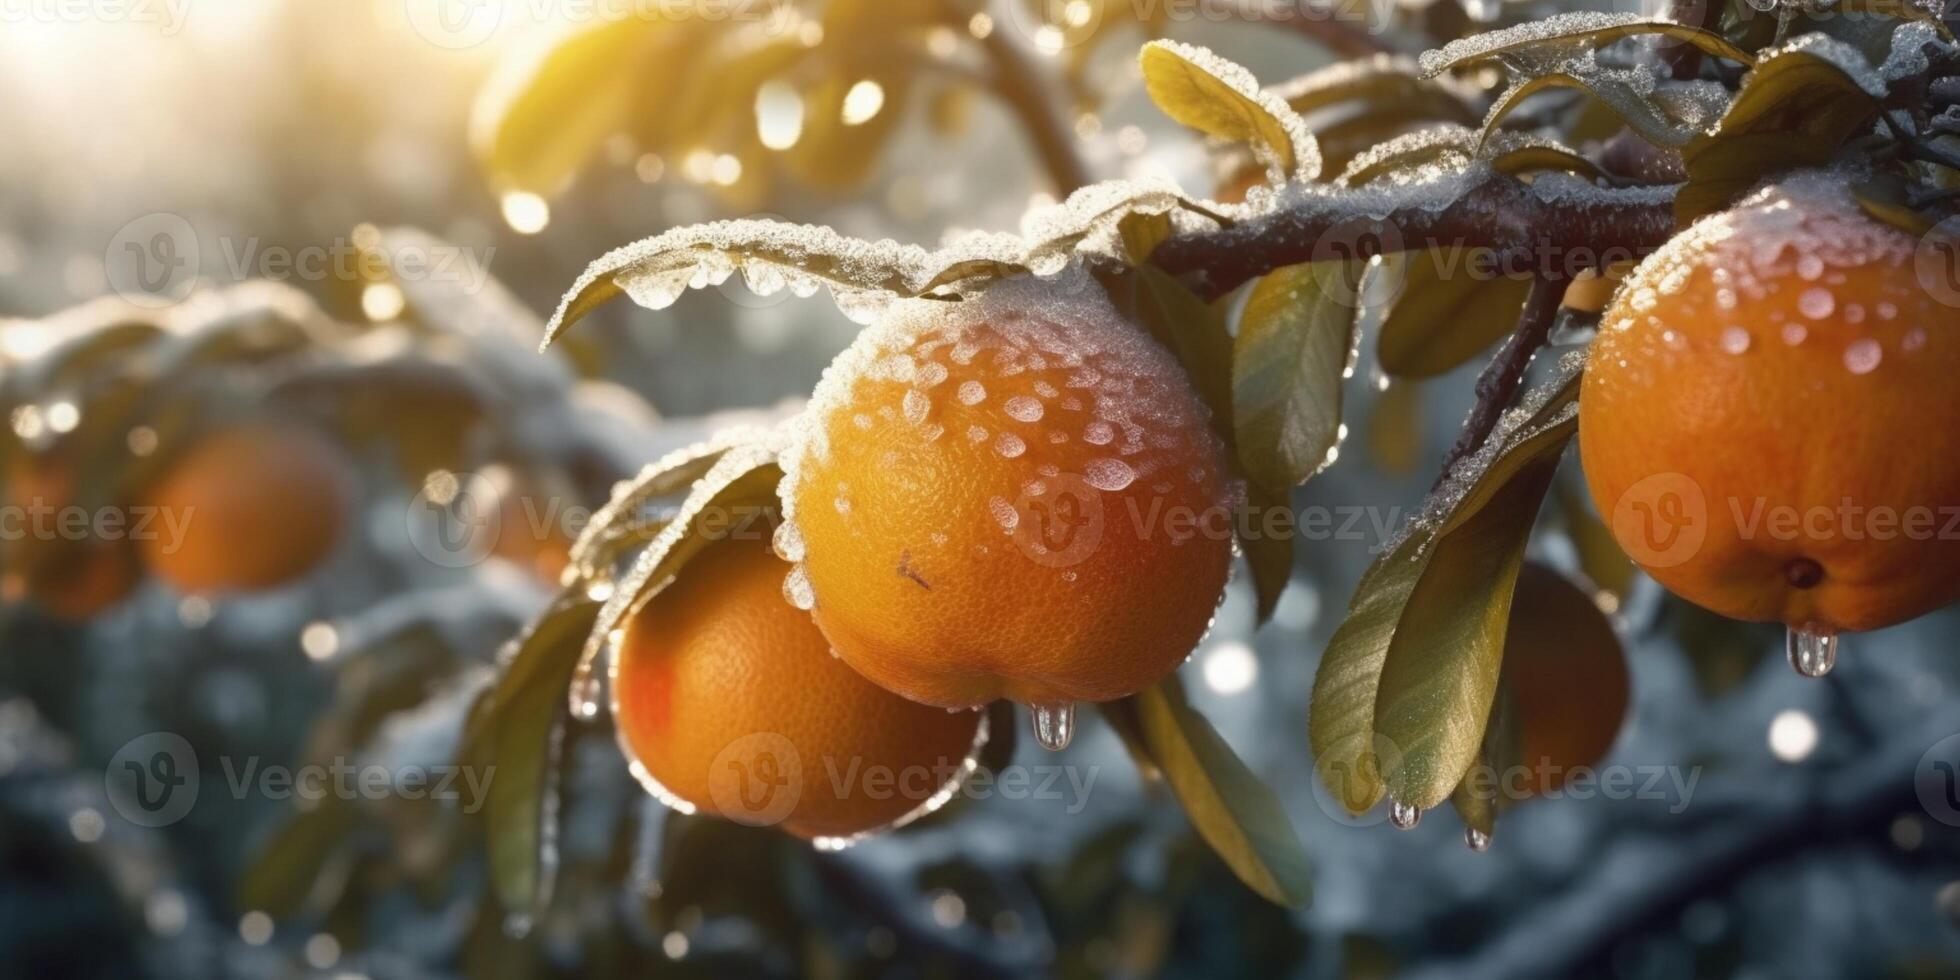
(730, 699)
(1566, 678)
(1016, 496)
(76, 583)
(260, 505)
(1768, 421)
(531, 535)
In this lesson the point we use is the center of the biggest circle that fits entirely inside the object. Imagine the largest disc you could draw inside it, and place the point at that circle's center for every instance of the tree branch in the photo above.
(1014, 80)
(1497, 386)
(1549, 222)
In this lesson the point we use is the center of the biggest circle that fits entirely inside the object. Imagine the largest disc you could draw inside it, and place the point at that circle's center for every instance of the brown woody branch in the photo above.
(1497, 386)
(1482, 209)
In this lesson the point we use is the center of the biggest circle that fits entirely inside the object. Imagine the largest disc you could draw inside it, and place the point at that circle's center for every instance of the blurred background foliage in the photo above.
(1801, 851)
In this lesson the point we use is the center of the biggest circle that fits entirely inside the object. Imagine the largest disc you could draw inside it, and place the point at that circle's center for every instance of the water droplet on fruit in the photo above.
(1476, 840)
(1736, 340)
(1794, 333)
(972, 393)
(797, 591)
(1862, 356)
(1024, 409)
(1054, 725)
(1816, 303)
(1108, 474)
(788, 541)
(1404, 815)
(1813, 652)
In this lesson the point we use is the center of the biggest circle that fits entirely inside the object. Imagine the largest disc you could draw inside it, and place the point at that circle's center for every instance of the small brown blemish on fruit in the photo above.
(905, 569)
(1803, 573)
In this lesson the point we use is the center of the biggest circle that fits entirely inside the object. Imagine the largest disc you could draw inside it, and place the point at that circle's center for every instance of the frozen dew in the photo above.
(1816, 302)
(931, 375)
(1054, 725)
(788, 541)
(1404, 816)
(1862, 356)
(1004, 513)
(976, 433)
(1010, 445)
(1476, 840)
(1108, 474)
(916, 406)
(1024, 409)
(1813, 652)
(1736, 340)
(1098, 433)
(797, 591)
(1915, 340)
(972, 393)
(1795, 333)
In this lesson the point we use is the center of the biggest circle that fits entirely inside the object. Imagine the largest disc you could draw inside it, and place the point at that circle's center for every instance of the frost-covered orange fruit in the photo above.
(1017, 496)
(260, 505)
(1769, 420)
(729, 699)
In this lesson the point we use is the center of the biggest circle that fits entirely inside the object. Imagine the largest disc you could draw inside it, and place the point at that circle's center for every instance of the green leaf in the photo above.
(542, 117)
(1269, 556)
(1601, 560)
(1341, 721)
(1479, 799)
(1221, 99)
(1795, 109)
(1296, 340)
(1193, 331)
(287, 877)
(1395, 429)
(1232, 810)
(1450, 309)
(516, 736)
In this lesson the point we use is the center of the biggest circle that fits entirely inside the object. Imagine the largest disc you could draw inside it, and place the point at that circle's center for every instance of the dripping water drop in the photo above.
(1054, 725)
(1813, 651)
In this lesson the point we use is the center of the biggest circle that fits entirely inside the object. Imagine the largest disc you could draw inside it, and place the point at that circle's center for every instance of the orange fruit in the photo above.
(73, 584)
(1016, 496)
(531, 534)
(260, 505)
(1767, 418)
(1566, 678)
(731, 701)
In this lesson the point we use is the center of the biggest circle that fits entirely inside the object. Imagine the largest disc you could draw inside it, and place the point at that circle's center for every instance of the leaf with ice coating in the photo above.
(1230, 808)
(1219, 98)
(1295, 341)
(1632, 94)
(622, 518)
(517, 727)
(1572, 32)
(1795, 109)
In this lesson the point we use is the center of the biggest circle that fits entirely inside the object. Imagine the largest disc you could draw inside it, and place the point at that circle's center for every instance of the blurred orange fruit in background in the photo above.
(1566, 677)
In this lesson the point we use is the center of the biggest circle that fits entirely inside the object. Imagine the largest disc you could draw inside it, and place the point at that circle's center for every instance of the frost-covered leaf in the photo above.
(1629, 93)
(1230, 808)
(1368, 714)
(1451, 148)
(1582, 31)
(1294, 347)
(518, 727)
(1219, 98)
(545, 113)
(1795, 109)
(863, 277)
(1452, 306)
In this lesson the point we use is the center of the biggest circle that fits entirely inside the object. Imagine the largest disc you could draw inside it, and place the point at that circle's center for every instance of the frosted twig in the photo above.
(1454, 210)
(1498, 384)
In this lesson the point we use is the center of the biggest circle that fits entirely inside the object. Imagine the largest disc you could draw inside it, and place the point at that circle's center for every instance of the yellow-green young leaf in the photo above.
(1636, 106)
(1232, 810)
(1447, 146)
(1296, 336)
(1395, 429)
(1195, 332)
(1268, 548)
(1795, 110)
(1573, 33)
(542, 117)
(1142, 233)
(1451, 307)
(520, 730)
(1479, 798)
(1440, 673)
(1123, 718)
(1341, 721)
(1221, 99)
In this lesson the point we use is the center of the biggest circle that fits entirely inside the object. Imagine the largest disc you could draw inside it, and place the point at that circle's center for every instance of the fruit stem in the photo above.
(1498, 385)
